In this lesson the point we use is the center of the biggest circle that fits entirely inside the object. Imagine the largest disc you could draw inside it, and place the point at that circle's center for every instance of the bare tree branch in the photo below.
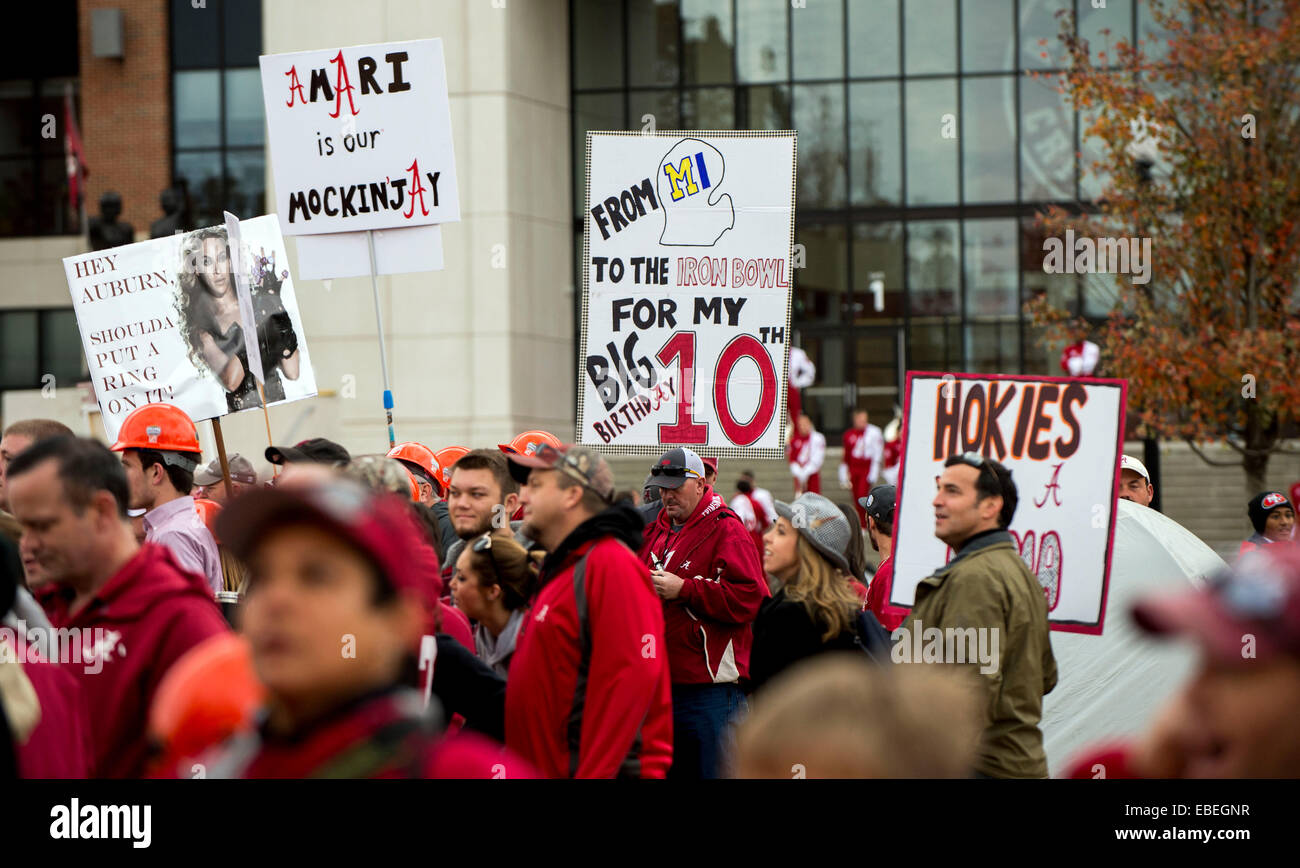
(1210, 461)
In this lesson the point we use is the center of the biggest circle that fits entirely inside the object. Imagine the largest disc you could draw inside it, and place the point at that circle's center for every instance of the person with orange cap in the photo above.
(526, 444)
(129, 611)
(423, 463)
(431, 475)
(447, 536)
(160, 452)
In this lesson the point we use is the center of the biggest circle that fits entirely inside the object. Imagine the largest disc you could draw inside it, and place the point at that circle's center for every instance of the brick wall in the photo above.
(126, 111)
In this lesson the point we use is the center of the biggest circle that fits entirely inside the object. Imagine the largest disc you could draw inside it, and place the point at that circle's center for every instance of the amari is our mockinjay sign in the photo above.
(360, 137)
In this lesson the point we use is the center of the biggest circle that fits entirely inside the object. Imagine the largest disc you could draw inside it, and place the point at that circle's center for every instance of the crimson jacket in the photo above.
(138, 624)
(878, 597)
(60, 745)
(590, 698)
(708, 626)
(383, 734)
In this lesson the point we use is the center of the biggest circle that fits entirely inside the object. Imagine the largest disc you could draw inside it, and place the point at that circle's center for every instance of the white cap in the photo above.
(1127, 462)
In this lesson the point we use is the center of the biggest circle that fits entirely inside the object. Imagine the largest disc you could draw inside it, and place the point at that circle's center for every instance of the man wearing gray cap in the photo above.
(706, 571)
(208, 480)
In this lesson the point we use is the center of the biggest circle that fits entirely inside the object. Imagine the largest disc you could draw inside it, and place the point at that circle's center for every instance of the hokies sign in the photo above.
(1060, 437)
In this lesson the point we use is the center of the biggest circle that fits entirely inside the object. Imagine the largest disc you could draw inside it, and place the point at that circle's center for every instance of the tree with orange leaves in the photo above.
(1200, 137)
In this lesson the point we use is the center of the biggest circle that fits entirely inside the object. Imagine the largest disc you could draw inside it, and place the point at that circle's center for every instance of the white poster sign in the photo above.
(1061, 438)
(160, 321)
(361, 137)
(347, 254)
(686, 291)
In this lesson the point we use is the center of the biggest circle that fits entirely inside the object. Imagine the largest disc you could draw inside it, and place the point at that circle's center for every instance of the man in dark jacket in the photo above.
(588, 694)
(986, 598)
(707, 572)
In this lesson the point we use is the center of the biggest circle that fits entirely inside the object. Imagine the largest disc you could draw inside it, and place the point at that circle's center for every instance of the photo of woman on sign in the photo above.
(214, 335)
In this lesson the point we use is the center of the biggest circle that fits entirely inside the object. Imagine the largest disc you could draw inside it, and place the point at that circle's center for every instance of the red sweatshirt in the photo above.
(624, 705)
(890, 617)
(376, 736)
(60, 745)
(138, 624)
(708, 626)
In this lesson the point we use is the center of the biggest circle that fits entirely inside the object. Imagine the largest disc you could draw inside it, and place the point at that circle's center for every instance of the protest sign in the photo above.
(360, 137)
(160, 321)
(347, 254)
(686, 291)
(1061, 438)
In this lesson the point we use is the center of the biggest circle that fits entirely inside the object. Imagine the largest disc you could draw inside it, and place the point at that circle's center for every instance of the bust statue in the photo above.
(105, 230)
(170, 222)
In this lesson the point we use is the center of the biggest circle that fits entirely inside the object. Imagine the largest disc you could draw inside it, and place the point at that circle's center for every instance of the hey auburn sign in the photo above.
(361, 137)
(1061, 438)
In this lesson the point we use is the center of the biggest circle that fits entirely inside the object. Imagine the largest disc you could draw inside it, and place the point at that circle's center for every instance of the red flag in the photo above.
(72, 151)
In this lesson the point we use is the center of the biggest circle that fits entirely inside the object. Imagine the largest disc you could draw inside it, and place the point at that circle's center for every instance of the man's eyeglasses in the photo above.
(484, 545)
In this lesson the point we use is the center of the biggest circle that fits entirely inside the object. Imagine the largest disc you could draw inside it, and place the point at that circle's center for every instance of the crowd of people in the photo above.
(509, 612)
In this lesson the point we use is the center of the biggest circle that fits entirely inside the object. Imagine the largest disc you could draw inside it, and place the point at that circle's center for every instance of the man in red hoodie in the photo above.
(707, 573)
(127, 610)
(588, 694)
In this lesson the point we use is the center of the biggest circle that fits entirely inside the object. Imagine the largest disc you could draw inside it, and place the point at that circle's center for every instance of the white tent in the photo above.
(1109, 685)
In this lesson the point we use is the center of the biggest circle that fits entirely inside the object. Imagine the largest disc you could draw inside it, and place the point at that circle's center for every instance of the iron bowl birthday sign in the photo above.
(686, 291)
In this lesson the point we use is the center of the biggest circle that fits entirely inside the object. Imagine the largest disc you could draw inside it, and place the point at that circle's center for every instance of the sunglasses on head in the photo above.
(980, 463)
(674, 472)
(484, 545)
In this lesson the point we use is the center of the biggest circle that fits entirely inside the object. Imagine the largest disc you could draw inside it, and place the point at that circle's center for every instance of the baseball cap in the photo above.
(676, 466)
(317, 450)
(820, 522)
(1128, 462)
(879, 503)
(377, 524)
(1259, 596)
(710, 463)
(241, 470)
(581, 463)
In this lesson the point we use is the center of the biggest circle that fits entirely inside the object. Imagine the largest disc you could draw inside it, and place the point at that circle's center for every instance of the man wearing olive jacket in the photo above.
(986, 586)
(706, 571)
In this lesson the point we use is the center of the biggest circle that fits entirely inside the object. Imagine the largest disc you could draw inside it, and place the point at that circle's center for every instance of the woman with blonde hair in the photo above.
(813, 610)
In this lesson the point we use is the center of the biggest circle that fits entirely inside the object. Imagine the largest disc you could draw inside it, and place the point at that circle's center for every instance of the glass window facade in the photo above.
(218, 120)
(926, 148)
(36, 343)
(36, 75)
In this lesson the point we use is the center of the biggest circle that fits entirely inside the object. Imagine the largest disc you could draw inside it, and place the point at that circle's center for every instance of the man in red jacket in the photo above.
(708, 574)
(588, 694)
(879, 508)
(131, 609)
(59, 746)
